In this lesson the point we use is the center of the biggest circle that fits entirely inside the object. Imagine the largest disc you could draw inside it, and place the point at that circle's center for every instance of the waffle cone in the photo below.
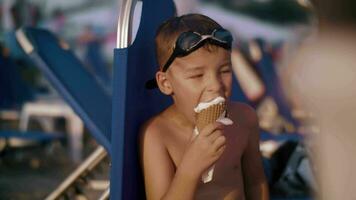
(209, 115)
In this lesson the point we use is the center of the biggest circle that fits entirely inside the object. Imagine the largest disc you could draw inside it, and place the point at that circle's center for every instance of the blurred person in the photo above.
(272, 107)
(58, 21)
(94, 58)
(35, 13)
(324, 76)
(247, 77)
(9, 25)
(16, 13)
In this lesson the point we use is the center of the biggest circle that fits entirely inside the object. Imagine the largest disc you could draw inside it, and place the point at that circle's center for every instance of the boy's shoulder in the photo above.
(243, 113)
(155, 126)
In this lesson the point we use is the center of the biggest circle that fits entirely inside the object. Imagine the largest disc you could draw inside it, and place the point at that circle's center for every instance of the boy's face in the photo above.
(199, 77)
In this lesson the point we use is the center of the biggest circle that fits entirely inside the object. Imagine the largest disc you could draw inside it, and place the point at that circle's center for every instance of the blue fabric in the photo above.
(132, 103)
(77, 86)
(237, 93)
(264, 136)
(31, 135)
(95, 60)
(13, 90)
(15, 50)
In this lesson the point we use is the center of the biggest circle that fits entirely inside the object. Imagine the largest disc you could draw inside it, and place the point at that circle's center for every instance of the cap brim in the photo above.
(151, 84)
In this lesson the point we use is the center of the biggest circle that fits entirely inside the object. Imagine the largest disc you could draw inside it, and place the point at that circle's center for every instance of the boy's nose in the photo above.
(215, 85)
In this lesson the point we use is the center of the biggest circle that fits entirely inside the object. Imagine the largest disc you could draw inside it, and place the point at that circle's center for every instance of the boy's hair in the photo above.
(169, 31)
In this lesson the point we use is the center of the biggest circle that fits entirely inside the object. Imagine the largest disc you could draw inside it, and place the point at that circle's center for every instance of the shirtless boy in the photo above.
(193, 53)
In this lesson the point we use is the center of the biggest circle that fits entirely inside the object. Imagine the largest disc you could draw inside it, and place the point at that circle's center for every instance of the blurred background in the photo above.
(268, 33)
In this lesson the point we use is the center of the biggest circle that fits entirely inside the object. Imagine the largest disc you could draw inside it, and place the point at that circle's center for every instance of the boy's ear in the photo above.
(163, 83)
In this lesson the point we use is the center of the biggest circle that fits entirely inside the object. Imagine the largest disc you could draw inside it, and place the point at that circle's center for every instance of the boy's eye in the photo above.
(196, 76)
(225, 70)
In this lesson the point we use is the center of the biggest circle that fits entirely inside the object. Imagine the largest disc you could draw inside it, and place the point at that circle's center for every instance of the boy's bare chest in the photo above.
(227, 180)
(230, 160)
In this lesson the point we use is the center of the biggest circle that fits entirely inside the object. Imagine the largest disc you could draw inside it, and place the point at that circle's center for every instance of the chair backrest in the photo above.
(132, 102)
(67, 74)
(237, 94)
(13, 89)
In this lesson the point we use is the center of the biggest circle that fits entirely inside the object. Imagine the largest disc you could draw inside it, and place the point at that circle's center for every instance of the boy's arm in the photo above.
(256, 187)
(161, 180)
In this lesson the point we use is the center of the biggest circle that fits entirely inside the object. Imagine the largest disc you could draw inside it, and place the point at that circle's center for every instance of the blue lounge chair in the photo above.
(80, 90)
(77, 86)
(93, 105)
(13, 93)
(132, 102)
(13, 90)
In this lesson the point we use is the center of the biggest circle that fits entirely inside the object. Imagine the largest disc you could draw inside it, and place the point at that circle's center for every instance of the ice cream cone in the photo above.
(210, 115)
(209, 112)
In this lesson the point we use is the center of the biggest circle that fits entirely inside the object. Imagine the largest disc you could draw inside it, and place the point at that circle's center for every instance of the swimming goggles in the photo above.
(189, 41)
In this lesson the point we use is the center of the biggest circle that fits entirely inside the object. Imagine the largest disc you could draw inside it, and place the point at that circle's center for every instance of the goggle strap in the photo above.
(169, 61)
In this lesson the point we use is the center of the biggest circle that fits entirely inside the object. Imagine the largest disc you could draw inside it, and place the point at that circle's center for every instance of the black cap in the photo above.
(151, 84)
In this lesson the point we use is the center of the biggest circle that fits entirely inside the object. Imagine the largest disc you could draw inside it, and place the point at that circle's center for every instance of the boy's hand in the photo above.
(204, 150)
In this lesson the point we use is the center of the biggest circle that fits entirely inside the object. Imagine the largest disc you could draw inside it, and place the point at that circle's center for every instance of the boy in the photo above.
(193, 53)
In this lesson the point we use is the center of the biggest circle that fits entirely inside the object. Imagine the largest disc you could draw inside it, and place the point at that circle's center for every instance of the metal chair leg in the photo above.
(105, 195)
(92, 161)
